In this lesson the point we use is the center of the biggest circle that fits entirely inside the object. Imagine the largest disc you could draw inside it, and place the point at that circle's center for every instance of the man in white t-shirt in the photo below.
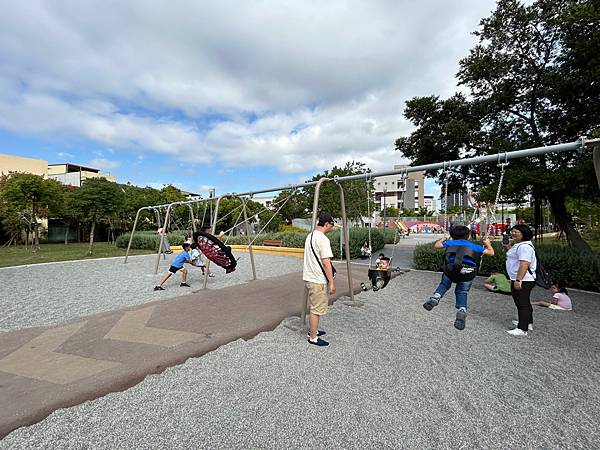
(318, 276)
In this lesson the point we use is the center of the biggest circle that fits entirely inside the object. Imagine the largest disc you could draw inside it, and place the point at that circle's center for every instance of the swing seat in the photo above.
(376, 275)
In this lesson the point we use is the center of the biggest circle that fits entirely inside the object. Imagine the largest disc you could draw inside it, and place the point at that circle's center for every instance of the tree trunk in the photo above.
(596, 158)
(35, 238)
(557, 202)
(90, 250)
(66, 233)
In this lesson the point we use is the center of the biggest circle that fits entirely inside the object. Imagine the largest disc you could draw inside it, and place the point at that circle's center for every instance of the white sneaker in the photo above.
(517, 332)
(516, 324)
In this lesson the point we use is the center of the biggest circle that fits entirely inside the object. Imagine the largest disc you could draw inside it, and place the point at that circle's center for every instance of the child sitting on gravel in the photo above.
(560, 298)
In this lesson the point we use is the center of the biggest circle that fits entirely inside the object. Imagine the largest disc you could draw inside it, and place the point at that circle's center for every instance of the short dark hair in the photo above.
(185, 245)
(193, 245)
(205, 228)
(525, 231)
(325, 218)
(459, 232)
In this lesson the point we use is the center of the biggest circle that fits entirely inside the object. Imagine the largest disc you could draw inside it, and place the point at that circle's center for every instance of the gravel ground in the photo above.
(49, 294)
(395, 376)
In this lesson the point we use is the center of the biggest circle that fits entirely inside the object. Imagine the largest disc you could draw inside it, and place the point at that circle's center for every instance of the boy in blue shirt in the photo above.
(177, 265)
(459, 236)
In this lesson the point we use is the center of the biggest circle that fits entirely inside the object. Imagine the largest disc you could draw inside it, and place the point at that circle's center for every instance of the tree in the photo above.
(296, 206)
(97, 200)
(28, 196)
(355, 192)
(519, 76)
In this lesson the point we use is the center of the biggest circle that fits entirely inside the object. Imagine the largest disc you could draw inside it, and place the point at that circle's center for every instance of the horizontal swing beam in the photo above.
(498, 157)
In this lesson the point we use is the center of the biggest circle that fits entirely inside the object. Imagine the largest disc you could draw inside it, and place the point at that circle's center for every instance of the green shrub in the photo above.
(149, 239)
(579, 270)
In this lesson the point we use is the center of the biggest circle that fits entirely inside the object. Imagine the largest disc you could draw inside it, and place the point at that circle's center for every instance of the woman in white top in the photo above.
(560, 298)
(520, 266)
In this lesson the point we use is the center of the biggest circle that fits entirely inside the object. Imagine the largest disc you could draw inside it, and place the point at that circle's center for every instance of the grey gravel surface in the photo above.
(49, 294)
(395, 376)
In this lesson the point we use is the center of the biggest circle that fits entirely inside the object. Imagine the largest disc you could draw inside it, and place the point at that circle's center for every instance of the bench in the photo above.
(272, 242)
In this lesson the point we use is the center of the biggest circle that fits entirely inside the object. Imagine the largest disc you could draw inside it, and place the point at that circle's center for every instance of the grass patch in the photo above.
(19, 256)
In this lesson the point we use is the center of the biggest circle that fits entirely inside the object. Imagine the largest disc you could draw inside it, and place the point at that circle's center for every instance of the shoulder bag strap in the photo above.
(317, 258)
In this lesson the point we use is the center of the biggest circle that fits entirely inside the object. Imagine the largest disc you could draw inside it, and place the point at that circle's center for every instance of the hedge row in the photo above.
(579, 270)
(150, 240)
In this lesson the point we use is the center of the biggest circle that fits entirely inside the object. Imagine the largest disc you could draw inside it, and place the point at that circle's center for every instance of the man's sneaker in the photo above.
(211, 275)
(516, 324)
(461, 316)
(517, 332)
(319, 334)
(159, 288)
(184, 285)
(319, 342)
(433, 301)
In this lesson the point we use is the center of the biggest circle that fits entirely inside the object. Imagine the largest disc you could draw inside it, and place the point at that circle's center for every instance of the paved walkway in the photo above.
(46, 368)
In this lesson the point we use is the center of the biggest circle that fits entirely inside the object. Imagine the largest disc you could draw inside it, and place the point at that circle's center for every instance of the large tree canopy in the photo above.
(532, 81)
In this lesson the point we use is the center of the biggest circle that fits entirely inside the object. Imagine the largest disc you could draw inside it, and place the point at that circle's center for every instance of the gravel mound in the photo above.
(395, 376)
(49, 294)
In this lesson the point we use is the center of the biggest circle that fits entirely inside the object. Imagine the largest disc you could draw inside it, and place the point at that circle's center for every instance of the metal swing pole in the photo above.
(243, 200)
(213, 229)
(137, 216)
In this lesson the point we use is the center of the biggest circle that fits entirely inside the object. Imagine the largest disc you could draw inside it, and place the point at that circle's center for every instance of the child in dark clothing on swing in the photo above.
(462, 258)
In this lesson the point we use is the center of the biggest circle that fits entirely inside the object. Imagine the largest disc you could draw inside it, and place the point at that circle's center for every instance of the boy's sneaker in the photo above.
(431, 303)
(363, 286)
(517, 332)
(516, 324)
(159, 288)
(319, 334)
(319, 342)
(211, 275)
(184, 285)
(461, 317)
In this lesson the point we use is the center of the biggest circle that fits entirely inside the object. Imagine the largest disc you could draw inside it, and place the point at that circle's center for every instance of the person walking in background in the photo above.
(560, 298)
(318, 275)
(520, 266)
(177, 265)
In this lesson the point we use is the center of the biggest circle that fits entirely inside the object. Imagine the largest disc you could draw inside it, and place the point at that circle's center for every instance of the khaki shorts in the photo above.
(317, 296)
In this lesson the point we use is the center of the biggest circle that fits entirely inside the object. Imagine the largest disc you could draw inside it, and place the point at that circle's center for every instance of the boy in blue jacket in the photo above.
(177, 265)
(459, 239)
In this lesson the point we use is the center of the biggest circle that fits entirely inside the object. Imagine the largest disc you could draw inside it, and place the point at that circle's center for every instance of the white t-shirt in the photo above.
(196, 259)
(312, 270)
(523, 251)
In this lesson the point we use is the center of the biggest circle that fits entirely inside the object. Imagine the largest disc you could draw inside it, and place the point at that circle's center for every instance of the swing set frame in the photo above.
(578, 145)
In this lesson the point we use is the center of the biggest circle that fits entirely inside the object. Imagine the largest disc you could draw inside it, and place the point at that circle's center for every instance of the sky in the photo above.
(233, 95)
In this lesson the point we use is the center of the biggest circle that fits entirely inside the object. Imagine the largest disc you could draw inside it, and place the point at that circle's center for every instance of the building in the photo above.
(266, 201)
(10, 163)
(400, 191)
(75, 175)
(429, 202)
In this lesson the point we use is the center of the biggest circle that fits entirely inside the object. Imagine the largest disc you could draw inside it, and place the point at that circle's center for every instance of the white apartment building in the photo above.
(400, 191)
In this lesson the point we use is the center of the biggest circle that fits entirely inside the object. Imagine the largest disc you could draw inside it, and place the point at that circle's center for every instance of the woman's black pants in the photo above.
(523, 303)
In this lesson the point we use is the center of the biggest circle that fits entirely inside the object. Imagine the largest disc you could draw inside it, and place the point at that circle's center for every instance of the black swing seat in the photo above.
(458, 270)
(379, 274)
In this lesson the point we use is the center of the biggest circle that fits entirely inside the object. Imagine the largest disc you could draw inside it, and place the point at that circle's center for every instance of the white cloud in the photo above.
(295, 86)
(104, 164)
